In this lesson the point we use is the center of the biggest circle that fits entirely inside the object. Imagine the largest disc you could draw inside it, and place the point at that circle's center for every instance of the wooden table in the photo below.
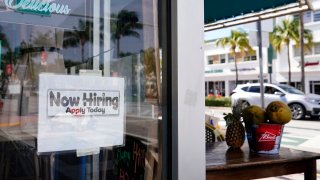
(222, 163)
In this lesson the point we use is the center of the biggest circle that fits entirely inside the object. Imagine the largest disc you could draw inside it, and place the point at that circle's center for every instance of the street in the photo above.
(298, 134)
(302, 134)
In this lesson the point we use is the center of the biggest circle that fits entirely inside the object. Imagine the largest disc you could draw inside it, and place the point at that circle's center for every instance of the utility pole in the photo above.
(259, 39)
(303, 88)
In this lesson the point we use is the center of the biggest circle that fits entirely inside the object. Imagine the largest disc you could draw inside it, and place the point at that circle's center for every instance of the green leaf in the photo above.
(229, 118)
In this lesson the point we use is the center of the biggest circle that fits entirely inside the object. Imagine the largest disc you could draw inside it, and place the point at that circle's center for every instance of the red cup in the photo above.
(265, 138)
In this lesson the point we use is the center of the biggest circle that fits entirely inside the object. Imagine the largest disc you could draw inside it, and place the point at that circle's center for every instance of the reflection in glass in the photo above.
(125, 23)
(79, 38)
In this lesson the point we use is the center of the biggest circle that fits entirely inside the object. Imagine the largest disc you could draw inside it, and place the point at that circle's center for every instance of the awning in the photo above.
(224, 13)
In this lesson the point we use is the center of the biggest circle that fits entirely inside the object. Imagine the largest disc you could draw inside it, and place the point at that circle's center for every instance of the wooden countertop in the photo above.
(243, 164)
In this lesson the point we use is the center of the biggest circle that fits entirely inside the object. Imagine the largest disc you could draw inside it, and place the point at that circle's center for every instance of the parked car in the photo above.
(301, 104)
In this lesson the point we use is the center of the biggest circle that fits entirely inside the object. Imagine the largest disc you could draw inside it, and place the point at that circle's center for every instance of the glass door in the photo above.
(81, 85)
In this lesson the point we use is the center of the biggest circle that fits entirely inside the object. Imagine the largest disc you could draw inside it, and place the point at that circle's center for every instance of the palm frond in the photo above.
(4, 40)
(223, 41)
(283, 33)
(238, 40)
(75, 37)
(308, 39)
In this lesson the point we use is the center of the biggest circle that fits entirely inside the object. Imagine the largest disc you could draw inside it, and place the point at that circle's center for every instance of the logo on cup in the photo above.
(267, 136)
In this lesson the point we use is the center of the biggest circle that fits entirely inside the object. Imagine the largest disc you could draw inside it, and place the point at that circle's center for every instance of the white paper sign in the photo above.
(80, 112)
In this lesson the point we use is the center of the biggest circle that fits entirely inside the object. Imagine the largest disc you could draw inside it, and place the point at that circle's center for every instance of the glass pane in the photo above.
(83, 101)
(296, 51)
(211, 87)
(216, 59)
(222, 58)
(316, 16)
(307, 17)
(307, 51)
(254, 89)
(253, 56)
(317, 48)
(210, 60)
(230, 58)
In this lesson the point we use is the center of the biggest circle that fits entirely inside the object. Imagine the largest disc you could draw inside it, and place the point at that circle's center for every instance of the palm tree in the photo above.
(75, 38)
(150, 71)
(4, 41)
(124, 24)
(284, 33)
(43, 38)
(238, 41)
(5, 44)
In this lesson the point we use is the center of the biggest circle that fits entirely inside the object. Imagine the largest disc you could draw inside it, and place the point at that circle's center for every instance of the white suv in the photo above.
(300, 103)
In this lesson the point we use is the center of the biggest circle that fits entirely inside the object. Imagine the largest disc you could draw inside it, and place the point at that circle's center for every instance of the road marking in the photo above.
(302, 128)
(293, 141)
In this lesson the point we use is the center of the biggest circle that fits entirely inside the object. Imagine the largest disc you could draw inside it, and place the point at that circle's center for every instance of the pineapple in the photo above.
(235, 134)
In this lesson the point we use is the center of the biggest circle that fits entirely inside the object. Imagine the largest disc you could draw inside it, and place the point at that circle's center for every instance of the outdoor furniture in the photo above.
(222, 163)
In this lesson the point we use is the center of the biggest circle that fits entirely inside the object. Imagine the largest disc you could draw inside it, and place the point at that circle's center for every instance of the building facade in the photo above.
(220, 68)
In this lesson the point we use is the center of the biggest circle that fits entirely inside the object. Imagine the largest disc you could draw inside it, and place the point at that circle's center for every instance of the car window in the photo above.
(245, 88)
(254, 89)
(290, 89)
(270, 90)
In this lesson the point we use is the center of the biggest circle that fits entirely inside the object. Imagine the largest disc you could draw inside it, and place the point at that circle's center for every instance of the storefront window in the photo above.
(314, 87)
(80, 89)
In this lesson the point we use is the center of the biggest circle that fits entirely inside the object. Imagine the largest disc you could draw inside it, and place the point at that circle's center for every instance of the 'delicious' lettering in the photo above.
(38, 5)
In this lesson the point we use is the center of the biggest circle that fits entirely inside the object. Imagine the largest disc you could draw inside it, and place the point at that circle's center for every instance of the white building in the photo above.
(219, 64)
(220, 68)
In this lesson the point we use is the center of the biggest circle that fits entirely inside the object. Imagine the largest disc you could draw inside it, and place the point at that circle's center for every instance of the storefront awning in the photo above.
(220, 14)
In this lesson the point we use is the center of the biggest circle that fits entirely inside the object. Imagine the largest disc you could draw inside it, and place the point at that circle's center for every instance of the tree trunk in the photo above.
(158, 70)
(82, 52)
(289, 65)
(118, 47)
(236, 68)
(303, 88)
(118, 65)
